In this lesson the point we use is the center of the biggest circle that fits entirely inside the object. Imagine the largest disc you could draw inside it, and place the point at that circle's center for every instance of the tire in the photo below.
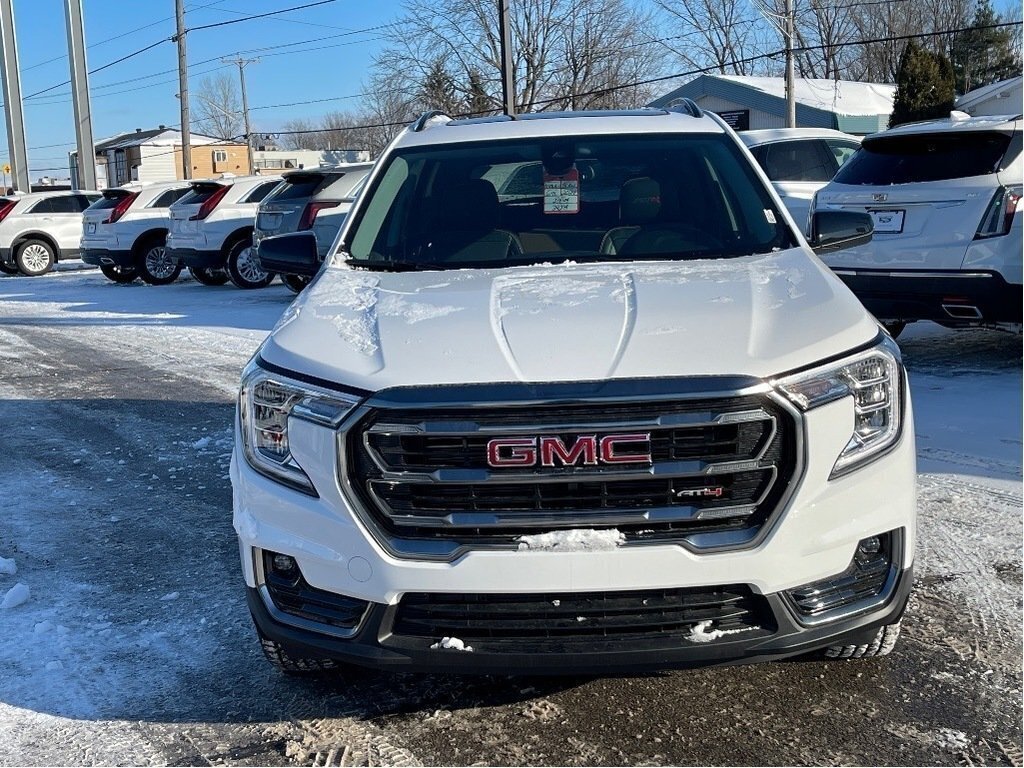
(34, 257)
(156, 266)
(122, 275)
(291, 665)
(882, 645)
(209, 275)
(296, 282)
(8, 270)
(243, 269)
(894, 327)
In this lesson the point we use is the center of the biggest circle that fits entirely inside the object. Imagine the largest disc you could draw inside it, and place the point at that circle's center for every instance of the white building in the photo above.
(279, 160)
(1002, 98)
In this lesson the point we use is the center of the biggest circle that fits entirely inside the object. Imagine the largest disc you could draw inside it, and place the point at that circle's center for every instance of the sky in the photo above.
(114, 28)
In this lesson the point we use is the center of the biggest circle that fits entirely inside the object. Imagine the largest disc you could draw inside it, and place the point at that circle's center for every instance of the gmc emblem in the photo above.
(588, 451)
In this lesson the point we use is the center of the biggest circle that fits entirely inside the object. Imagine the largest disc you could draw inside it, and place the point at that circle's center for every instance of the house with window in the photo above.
(751, 103)
(156, 155)
(281, 160)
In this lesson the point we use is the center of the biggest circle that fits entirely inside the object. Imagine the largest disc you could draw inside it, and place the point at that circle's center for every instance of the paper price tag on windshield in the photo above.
(562, 193)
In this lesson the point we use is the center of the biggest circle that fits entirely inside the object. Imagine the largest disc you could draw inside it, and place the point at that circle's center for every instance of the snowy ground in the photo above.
(134, 646)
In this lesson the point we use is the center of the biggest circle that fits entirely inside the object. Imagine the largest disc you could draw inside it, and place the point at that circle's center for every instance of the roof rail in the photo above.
(422, 120)
(686, 106)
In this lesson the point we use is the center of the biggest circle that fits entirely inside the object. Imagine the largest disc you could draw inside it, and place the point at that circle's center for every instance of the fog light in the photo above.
(285, 565)
(870, 546)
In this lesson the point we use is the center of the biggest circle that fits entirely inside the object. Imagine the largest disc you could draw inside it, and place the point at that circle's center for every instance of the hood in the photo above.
(757, 316)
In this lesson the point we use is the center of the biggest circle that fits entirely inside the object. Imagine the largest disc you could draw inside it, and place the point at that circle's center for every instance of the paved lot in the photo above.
(135, 645)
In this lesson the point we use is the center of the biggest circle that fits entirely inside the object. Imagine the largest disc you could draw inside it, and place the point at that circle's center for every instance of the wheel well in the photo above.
(146, 237)
(239, 235)
(26, 236)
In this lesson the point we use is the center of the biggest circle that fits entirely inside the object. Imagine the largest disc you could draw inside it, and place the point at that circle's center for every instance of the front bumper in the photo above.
(954, 296)
(191, 257)
(104, 257)
(375, 645)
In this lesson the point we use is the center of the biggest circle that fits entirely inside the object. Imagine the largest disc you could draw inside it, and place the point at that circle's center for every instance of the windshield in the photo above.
(907, 159)
(525, 201)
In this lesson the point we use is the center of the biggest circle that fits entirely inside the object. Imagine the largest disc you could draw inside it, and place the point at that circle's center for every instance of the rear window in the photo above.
(302, 185)
(345, 186)
(936, 157)
(110, 199)
(199, 194)
(168, 198)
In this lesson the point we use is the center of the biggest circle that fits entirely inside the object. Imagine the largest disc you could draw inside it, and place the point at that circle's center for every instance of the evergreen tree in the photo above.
(983, 56)
(924, 86)
(437, 90)
(477, 101)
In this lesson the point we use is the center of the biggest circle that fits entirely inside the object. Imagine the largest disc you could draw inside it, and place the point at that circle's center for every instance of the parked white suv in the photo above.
(800, 161)
(125, 232)
(944, 196)
(211, 230)
(616, 415)
(41, 228)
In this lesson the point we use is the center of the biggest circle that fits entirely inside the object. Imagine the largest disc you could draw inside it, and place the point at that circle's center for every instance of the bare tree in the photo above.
(300, 133)
(217, 109)
(561, 49)
(715, 34)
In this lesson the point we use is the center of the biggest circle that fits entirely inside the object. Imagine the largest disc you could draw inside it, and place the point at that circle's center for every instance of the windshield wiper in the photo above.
(388, 265)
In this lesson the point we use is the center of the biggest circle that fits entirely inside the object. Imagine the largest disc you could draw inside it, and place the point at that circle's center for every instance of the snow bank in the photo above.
(452, 644)
(15, 596)
(575, 540)
(8, 566)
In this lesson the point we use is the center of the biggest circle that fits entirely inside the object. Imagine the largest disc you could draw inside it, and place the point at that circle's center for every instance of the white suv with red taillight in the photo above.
(41, 228)
(944, 196)
(124, 233)
(211, 230)
(572, 393)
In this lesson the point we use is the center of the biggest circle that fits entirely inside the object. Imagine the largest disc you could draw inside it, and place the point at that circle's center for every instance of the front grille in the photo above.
(560, 618)
(716, 465)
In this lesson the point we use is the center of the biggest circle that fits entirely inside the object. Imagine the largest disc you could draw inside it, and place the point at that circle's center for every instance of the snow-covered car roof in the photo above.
(956, 123)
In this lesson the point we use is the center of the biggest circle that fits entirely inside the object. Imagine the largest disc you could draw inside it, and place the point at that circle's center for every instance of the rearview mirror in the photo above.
(293, 253)
(836, 230)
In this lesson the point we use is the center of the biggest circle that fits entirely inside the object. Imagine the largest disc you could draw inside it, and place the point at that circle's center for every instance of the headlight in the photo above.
(873, 383)
(266, 403)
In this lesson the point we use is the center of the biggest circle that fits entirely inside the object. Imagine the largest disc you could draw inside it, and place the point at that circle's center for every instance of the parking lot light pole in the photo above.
(508, 79)
(11, 76)
(80, 95)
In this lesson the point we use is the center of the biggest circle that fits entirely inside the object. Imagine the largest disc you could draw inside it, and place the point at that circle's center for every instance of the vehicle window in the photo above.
(299, 186)
(261, 192)
(889, 160)
(797, 161)
(199, 194)
(524, 201)
(109, 199)
(168, 197)
(84, 201)
(344, 186)
(59, 204)
(842, 150)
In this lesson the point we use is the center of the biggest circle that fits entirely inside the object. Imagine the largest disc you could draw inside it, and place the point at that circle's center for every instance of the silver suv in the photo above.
(316, 200)
(39, 229)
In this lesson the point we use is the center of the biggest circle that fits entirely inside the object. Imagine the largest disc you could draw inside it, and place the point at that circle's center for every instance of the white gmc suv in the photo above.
(573, 394)
(211, 230)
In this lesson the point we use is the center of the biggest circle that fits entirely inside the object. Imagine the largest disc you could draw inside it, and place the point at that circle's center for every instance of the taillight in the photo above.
(6, 206)
(310, 212)
(121, 208)
(999, 215)
(209, 204)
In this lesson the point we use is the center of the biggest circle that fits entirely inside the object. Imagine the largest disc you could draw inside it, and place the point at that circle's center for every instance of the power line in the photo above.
(259, 16)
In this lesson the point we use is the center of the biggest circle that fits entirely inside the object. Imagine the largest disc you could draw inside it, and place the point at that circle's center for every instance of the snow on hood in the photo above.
(757, 315)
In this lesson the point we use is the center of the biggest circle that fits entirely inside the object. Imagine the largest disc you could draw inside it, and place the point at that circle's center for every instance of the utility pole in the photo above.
(790, 80)
(186, 133)
(245, 101)
(11, 75)
(80, 95)
(508, 75)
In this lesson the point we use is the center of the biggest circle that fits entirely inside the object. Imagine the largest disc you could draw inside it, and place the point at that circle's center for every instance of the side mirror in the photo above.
(836, 230)
(293, 253)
